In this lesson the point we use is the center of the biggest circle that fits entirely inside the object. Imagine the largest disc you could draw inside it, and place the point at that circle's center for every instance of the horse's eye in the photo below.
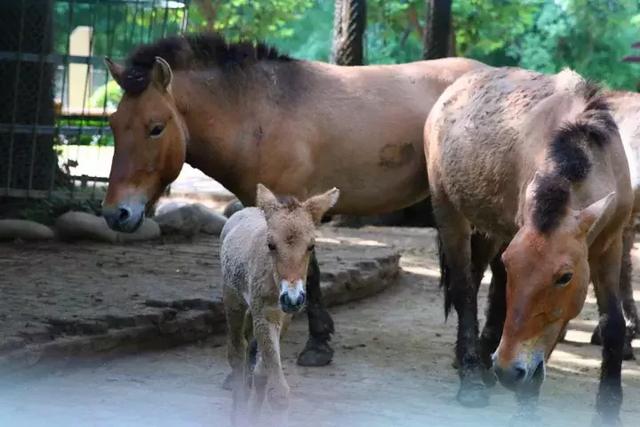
(564, 280)
(271, 246)
(311, 247)
(156, 130)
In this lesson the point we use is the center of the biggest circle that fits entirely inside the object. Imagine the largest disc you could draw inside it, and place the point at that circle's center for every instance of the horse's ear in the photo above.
(116, 70)
(266, 200)
(319, 205)
(161, 74)
(596, 216)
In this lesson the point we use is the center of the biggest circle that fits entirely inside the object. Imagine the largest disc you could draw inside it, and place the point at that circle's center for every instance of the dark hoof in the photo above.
(473, 395)
(489, 377)
(227, 384)
(315, 353)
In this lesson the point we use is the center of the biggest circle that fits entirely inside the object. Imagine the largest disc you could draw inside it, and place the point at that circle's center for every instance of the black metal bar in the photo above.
(15, 97)
(54, 58)
(52, 130)
(36, 120)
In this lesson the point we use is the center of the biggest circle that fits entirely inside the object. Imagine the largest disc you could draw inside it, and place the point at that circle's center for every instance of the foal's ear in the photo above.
(116, 70)
(319, 205)
(266, 200)
(161, 74)
(595, 217)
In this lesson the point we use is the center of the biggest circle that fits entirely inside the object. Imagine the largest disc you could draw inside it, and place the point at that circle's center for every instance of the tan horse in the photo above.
(534, 161)
(244, 114)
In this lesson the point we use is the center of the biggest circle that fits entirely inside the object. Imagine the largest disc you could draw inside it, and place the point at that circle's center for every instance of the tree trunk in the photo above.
(27, 159)
(437, 37)
(349, 23)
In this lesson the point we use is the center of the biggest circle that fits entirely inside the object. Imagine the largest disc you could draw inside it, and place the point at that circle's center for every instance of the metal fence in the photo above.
(55, 93)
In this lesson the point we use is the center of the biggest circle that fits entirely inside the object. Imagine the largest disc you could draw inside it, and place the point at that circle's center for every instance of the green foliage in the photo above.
(590, 36)
(107, 95)
(248, 19)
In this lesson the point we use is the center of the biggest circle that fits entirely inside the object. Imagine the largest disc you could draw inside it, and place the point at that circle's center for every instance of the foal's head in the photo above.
(547, 276)
(291, 240)
(150, 143)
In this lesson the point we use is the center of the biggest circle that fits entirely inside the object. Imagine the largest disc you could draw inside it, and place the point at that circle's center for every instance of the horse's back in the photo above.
(625, 107)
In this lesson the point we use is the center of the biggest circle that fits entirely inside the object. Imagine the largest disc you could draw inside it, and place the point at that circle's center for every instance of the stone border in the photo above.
(188, 321)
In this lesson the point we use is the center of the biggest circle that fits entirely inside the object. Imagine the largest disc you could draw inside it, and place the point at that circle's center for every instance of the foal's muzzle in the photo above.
(292, 296)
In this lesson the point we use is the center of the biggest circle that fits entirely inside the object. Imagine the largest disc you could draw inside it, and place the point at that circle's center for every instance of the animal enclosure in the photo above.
(55, 93)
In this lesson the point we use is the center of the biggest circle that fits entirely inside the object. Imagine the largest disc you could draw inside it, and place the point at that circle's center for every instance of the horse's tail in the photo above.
(445, 282)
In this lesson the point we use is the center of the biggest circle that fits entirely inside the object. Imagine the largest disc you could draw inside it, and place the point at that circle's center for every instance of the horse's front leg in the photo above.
(317, 351)
(455, 235)
(626, 294)
(605, 273)
(496, 313)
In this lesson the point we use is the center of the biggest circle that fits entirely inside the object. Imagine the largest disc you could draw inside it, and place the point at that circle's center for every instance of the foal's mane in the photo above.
(570, 152)
(192, 52)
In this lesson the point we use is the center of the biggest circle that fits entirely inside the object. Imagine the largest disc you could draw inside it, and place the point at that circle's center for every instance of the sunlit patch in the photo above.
(581, 337)
(422, 271)
(328, 240)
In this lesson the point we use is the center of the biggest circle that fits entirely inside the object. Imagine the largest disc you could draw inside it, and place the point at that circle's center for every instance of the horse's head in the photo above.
(150, 144)
(547, 277)
(290, 240)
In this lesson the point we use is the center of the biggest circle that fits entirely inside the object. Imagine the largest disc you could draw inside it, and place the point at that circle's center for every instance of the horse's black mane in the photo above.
(569, 151)
(192, 51)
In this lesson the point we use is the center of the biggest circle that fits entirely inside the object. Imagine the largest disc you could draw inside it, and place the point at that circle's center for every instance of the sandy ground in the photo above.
(392, 367)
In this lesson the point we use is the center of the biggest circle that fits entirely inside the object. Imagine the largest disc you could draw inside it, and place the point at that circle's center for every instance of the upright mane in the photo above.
(192, 52)
(570, 152)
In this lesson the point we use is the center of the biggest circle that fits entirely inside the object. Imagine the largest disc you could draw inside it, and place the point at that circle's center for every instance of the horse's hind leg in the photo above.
(317, 351)
(461, 291)
(626, 294)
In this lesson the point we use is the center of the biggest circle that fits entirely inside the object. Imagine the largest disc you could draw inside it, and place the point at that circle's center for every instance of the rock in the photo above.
(190, 220)
(12, 229)
(83, 226)
(234, 206)
(149, 230)
(167, 206)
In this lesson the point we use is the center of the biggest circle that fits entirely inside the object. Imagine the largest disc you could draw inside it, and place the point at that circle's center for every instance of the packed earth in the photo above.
(392, 366)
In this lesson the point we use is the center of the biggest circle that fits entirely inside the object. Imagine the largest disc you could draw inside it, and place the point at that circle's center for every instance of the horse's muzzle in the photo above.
(519, 374)
(124, 217)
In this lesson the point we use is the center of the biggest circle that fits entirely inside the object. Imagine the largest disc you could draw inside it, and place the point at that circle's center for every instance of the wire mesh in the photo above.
(56, 94)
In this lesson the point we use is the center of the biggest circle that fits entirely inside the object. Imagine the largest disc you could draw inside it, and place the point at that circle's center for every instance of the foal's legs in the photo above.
(605, 272)
(268, 377)
(317, 351)
(235, 310)
(455, 234)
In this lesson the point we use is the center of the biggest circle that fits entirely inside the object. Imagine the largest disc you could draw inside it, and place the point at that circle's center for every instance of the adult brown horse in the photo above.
(243, 114)
(537, 162)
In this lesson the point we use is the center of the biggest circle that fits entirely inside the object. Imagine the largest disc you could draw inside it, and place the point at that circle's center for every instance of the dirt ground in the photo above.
(392, 367)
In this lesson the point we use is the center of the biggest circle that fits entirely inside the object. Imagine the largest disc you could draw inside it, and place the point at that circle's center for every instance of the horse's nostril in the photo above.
(519, 373)
(124, 215)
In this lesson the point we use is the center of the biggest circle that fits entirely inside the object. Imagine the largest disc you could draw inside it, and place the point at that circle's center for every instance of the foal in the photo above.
(265, 255)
